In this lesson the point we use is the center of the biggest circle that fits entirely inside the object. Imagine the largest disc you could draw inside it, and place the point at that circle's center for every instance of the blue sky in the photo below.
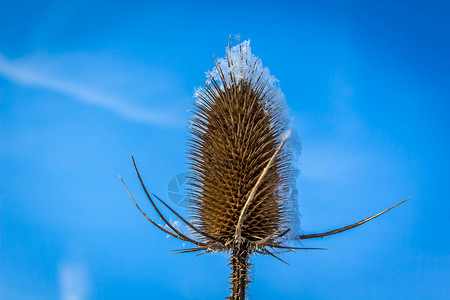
(85, 84)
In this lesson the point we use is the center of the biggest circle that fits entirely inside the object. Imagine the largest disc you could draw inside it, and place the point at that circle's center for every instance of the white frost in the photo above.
(242, 64)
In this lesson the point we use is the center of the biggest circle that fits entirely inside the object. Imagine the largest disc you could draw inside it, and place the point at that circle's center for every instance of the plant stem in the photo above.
(240, 268)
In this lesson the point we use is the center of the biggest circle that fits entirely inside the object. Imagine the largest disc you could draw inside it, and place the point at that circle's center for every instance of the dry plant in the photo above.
(242, 190)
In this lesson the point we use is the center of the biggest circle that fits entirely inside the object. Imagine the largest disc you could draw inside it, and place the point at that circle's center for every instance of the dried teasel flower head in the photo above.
(242, 175)
(242, 189)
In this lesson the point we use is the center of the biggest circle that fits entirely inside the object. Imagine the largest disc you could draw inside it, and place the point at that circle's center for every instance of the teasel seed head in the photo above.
(238, 127)
(243, 198)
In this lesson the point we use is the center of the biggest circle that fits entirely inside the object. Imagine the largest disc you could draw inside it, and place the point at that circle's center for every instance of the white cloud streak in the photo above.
(73, 281)
(26, 75)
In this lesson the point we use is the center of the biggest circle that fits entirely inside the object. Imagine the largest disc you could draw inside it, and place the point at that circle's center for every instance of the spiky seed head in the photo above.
(242, 175)
(237, 126)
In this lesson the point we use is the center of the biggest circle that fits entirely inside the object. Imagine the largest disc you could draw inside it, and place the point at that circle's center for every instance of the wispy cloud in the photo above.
(73, 281)
(28, 75)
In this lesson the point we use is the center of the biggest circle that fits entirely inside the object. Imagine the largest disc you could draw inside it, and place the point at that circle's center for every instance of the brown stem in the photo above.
(240, 267)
